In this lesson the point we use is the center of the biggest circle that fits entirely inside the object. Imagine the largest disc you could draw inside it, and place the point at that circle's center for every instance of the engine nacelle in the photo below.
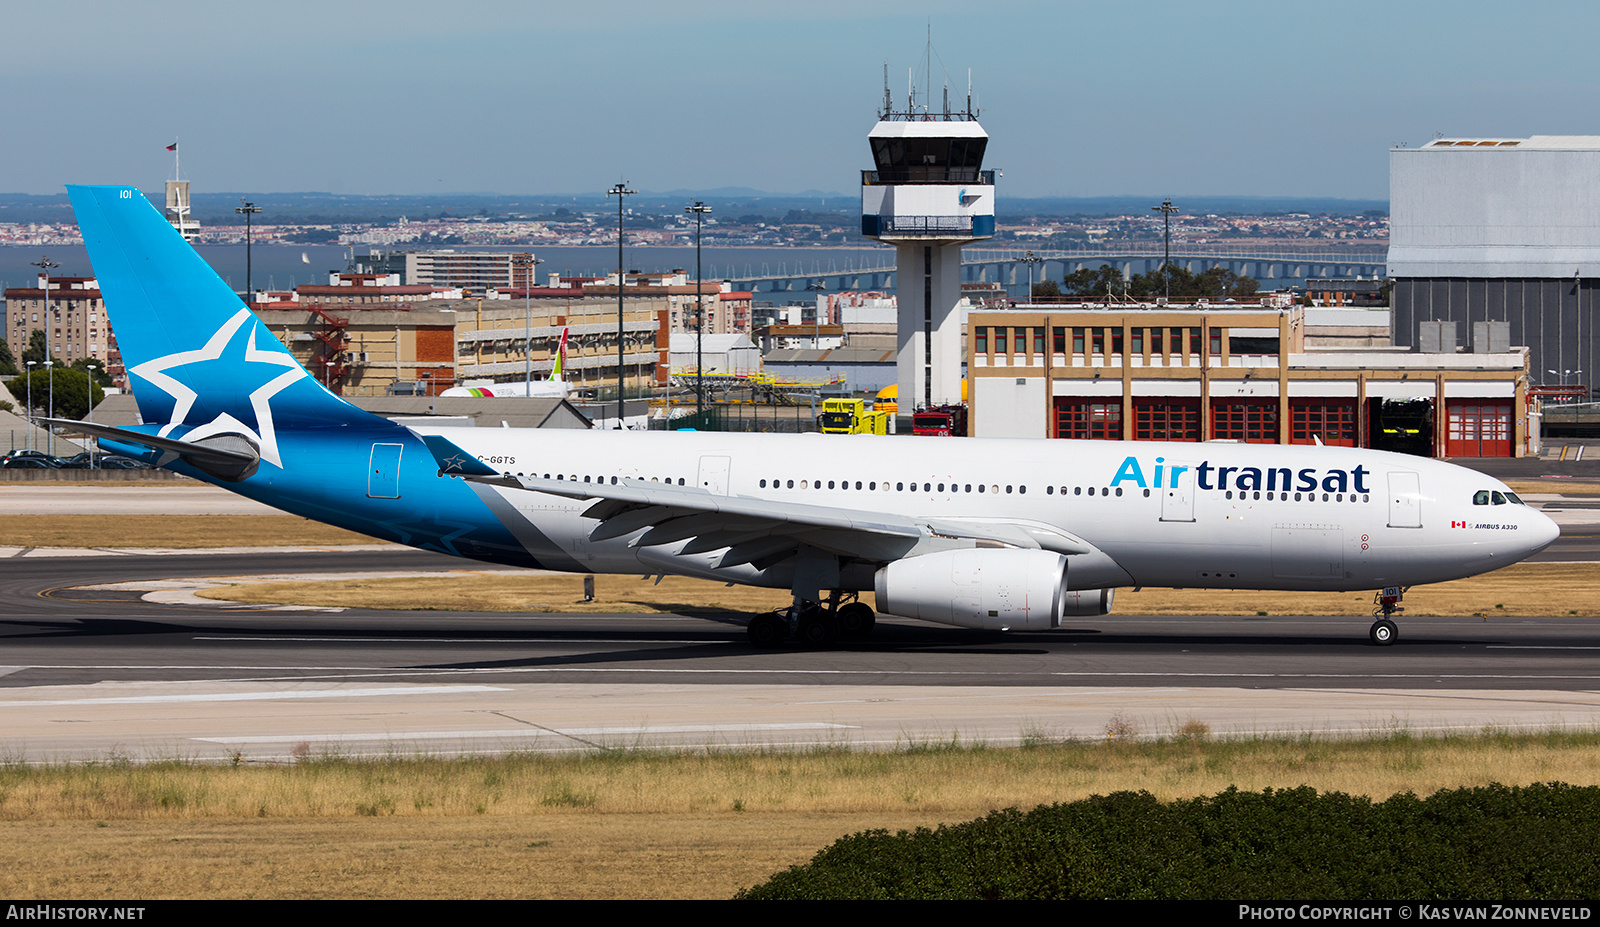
(995, 589)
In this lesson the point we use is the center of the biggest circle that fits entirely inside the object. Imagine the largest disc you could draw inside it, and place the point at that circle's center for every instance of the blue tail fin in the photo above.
(199, 361)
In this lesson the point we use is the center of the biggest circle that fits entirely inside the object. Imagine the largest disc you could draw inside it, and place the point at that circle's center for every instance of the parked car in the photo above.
(28, 463)
(28, 454)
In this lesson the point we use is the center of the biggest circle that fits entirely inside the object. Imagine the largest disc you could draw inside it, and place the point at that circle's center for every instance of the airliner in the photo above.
(1000, 534)
(553, 388)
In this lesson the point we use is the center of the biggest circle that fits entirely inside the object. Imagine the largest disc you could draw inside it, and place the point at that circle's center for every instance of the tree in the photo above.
(8, 362)
(1093, 283)
(72, 391)
(99, 374)
(1046, 289)
(37, 350)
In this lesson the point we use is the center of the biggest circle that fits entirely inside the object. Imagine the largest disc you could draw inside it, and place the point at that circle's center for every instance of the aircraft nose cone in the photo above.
(1545, 532)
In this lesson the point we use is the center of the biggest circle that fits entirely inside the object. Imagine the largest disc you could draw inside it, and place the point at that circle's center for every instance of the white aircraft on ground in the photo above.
(977, 533)
(553, 388)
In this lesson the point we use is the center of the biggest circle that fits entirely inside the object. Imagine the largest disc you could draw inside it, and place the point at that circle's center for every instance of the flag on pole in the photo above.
(173, 147)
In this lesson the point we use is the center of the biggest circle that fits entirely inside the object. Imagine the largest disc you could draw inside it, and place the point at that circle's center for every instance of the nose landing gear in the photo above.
(1384, 631)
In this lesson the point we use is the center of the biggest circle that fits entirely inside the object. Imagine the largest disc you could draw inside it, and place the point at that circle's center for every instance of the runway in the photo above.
(145, 670)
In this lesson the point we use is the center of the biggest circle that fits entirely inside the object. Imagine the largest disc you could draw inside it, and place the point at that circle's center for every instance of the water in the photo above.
(281, 266)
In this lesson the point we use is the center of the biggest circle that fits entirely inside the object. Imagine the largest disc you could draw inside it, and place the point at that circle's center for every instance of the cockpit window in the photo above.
(1498, 498)
(1481, 497)
(1515, 498)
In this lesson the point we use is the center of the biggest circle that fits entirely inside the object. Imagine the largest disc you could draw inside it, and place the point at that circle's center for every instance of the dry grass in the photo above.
(634, 825)
(1523, 589)
(1566, 487)
(524, 592)
(1520, 590)
(176, 531)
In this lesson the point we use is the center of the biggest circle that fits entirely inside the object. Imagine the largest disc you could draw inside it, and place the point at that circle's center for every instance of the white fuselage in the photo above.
(1159, 514)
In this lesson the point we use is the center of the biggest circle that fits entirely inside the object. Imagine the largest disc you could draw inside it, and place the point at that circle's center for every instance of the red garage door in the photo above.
(1332, 420)
(1476, 428)
(1088, 418)
(1249, 421)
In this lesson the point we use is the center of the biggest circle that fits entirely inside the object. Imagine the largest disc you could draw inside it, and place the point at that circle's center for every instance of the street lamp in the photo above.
(619, 191)
(50, 436)
(88, 371)
(1030, 259)
(44, 264)
(527, 326)
(247, 210)
(1166, 209)
(31, 364)
(699, 210)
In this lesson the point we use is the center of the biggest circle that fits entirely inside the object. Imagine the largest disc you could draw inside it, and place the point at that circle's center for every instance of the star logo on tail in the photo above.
(184, 374)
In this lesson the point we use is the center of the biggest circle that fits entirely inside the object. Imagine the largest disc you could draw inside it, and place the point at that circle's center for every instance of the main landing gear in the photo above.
(1384, 631)
(814, 624)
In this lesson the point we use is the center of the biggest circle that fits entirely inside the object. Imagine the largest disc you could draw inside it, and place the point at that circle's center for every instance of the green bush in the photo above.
(1499, 842)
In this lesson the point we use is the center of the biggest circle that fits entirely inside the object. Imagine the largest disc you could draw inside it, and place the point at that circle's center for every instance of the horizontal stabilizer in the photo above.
(227, 457)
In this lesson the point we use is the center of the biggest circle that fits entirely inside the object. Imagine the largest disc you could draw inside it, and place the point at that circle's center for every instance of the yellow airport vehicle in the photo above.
(851, 417)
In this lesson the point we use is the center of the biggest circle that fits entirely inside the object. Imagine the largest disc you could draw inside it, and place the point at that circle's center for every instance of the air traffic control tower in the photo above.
(928, 196)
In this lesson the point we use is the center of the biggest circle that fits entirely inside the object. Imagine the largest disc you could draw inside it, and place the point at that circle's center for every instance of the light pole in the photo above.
(1563, 374)
(88, 371)
(1030, 259)
(699, 210)
(247, 210)
(619, 191)
(527, 326)
(31, 364)
(44, 264)
(1166, 209)
(50, 436)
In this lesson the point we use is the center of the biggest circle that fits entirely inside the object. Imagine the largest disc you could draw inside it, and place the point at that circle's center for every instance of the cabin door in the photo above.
(714, 475)
(1405, 500)
(383, 472)
(1177, 501)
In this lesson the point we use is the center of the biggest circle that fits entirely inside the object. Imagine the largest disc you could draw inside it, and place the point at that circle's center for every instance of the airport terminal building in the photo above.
(1236, 373)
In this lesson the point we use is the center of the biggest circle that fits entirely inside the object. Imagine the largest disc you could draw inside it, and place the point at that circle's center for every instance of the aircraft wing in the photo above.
(758, 531)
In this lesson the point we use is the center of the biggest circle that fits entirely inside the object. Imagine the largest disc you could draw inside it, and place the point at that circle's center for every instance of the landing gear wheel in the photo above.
(856, 621)
(817, 629)
(767, 630)
(1383, 632)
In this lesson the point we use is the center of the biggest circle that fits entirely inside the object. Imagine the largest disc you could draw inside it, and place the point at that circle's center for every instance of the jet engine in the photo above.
(995, 589)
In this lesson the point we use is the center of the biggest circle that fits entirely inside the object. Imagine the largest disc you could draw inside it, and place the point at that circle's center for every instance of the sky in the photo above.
(1079, 97)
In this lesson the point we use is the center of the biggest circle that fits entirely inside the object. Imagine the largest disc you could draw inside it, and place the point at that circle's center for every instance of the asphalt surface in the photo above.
(144, 669)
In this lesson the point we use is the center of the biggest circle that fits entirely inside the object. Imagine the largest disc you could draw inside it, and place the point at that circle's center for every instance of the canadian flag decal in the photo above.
(1458, 524)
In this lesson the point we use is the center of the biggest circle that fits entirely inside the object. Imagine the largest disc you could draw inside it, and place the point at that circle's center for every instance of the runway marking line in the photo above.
(538, 732)
(256, 696)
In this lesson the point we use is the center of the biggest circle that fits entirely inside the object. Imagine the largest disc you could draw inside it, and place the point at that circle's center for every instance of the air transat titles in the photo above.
(1206, 476)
